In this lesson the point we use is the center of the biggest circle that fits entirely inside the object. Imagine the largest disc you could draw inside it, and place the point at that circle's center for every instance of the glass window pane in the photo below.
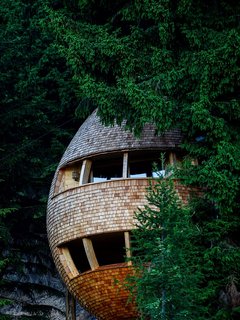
(141, 164)
(107, 168)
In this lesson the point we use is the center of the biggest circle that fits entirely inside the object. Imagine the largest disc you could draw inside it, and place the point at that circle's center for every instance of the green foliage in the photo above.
(4, 302)
(5, 236)
(5, 317)
(172, 63)
(166, 253)
(38, 102)
(37, 107)
(35, 102)
(220, 257)
(187, 265)
(127, 56)
(175, 64)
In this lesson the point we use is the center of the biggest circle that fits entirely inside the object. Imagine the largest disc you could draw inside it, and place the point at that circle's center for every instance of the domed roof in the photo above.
(94, 138)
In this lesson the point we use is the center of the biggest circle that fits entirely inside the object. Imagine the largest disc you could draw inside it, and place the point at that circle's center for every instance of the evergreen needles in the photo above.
(166, 257)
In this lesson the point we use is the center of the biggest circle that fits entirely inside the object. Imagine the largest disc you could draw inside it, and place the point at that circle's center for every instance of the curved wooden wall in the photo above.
(90, 209)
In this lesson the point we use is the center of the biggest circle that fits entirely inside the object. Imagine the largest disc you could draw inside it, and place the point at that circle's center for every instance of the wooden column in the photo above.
(194, 162)
(70, 306)
(92, 259)
(85, 172)
(68, 263)
(127, 247)
(172, 158)
(125, 165)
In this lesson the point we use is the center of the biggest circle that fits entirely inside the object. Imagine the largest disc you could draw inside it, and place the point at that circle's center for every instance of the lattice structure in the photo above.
(99, 184)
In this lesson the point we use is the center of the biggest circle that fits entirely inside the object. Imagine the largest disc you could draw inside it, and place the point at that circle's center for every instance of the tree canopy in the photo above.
(172, 63)
(175, 64)
(167, 255)
(37, 121)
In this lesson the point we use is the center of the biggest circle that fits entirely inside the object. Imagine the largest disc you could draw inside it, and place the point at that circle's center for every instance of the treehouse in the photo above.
(99, 184)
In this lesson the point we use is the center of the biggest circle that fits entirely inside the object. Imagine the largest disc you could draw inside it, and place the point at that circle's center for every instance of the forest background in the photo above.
(172, 63)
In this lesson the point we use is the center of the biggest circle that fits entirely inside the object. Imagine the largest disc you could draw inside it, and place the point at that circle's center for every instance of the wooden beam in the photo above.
(68, 263)
(127, 247)
(194, 162)
(85, 172)
(172, 158)
(91, 176)
(125, 165)
(70, 307)
(92, 259)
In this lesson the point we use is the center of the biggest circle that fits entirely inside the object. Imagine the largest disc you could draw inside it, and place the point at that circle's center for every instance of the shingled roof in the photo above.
(94, 138)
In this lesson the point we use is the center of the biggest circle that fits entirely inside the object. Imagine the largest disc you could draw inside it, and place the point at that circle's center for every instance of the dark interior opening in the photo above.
(180, 156)
(109, 248)
(78, 255)
(141, 164)
(107, 168)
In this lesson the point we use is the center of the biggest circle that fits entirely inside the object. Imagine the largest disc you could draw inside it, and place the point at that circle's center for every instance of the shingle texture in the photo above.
(94, 138)
(101, 292)
(92, 209)
(100, 208)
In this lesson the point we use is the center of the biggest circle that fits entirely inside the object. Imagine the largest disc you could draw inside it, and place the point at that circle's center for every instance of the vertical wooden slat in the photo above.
(172, 158)
(127, 246)
(194, 162)
(92, 259)
(91, 176)
(125, 165)
(85, 172)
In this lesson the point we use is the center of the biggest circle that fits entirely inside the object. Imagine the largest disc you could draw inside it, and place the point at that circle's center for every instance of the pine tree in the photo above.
(37, 120)
(175, 64)
(166, 257)
(172, 63)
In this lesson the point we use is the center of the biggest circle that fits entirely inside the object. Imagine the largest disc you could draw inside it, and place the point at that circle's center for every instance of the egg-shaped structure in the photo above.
(99, 184)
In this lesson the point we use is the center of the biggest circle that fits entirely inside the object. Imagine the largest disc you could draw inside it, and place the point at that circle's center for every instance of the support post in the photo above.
(127, 247)
(67, 262)
(172, 158)
(92, 259)
(70, 306)
(125, 165)
(85, 172)
(194, 162)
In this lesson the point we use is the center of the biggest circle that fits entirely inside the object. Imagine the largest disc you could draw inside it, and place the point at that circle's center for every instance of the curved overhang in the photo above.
(93, 138)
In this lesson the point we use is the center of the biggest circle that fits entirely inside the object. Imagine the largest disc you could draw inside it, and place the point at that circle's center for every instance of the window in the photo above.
(107, 168)
(87, 254)
(141, 164)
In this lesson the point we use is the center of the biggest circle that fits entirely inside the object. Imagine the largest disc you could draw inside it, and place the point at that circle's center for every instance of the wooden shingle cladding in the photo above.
(102, 293)
(98, 208)
(94, 138)
(84, 217)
